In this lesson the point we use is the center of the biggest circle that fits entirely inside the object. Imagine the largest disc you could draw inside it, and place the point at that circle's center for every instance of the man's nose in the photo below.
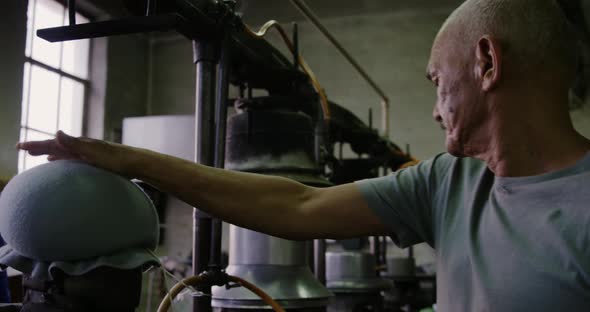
(436, 115)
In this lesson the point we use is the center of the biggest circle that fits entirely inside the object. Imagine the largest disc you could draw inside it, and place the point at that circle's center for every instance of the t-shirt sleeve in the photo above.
(404, 200)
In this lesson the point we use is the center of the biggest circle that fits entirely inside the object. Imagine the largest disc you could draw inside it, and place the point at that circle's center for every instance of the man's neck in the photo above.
(531, 147)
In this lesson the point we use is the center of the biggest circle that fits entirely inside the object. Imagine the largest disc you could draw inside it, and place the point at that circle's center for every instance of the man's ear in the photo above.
(488, 63)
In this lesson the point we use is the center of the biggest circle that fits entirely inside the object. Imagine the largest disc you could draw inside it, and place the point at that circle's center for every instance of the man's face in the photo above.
(457, 108)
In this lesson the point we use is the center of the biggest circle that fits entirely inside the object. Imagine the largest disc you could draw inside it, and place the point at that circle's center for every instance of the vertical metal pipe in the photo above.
(311, 256)
(384, 250)
(205, 60)
(220, 128)
(295, 45)
(319, 262)
(376, 250)
(72, 12)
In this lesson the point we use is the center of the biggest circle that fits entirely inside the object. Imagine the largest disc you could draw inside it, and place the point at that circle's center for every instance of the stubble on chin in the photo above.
(453, 145)
(455, 149)
(459, 145)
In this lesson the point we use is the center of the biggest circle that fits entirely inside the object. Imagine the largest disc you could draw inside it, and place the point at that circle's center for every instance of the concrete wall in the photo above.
(173, 77)
(13, 23)
(126, 83)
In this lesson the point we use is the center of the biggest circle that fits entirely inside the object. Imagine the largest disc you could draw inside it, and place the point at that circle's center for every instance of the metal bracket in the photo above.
(130, 25)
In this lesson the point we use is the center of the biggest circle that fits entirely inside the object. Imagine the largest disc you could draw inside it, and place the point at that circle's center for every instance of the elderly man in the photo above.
(506, 209)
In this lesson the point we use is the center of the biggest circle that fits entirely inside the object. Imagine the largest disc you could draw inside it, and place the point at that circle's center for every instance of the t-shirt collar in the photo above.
(580, 166)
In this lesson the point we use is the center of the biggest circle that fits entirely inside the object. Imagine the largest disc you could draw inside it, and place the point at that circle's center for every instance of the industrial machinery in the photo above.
(294, 132)
(350, 274)
(271, 136)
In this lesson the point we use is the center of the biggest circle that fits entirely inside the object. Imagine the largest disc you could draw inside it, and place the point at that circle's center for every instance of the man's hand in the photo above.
(110, 156)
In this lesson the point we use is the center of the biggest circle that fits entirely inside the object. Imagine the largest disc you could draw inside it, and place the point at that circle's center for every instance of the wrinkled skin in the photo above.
(493, 110)
(458, 108)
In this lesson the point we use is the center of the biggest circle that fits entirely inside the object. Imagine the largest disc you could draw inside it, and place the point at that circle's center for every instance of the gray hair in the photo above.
(532, 32)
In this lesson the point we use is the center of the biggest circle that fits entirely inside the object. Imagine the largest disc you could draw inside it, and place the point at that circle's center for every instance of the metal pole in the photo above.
(220, 127)
(295, 45)
(319, 261)
(376, 250)
(72, 12)
(384, 250)
(205, 60)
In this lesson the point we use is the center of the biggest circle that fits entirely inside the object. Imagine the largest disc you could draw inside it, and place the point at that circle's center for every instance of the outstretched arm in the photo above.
(268, 204)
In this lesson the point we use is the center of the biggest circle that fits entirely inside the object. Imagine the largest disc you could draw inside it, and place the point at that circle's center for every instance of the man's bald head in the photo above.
(535, 35)
(496, 61)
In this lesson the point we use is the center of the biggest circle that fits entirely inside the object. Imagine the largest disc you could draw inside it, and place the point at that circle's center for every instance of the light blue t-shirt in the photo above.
(502, 244)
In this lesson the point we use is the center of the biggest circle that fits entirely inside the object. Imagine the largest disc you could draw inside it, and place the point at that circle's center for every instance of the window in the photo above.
(55, 79)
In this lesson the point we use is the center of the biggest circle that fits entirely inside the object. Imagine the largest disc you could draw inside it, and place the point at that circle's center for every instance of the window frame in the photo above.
(30, 62)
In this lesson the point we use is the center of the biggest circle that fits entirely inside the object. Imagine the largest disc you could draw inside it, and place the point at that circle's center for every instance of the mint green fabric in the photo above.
(502, 244)
(70, 216)
(69, 211)
(46, 270)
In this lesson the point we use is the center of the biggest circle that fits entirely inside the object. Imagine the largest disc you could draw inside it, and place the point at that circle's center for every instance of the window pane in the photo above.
(26, 86)
(48, 13)
(32, 161)
(75, 52)
(81, 19)
(30, 17)
(43, 100)
(75, 57)
(71, 107)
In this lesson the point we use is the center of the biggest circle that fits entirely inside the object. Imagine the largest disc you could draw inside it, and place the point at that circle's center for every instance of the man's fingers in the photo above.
(78, 146)
(65, 140)
(61, 157)
(52, 158)
(26, 146)
(63, 146)
(92, 151)
(36, 148)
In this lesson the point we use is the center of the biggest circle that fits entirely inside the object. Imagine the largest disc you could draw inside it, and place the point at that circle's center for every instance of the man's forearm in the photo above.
(263, 203)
